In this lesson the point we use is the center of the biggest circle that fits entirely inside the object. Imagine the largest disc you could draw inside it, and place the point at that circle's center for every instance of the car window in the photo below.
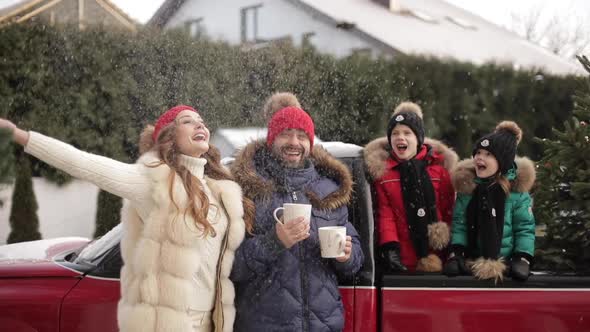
(100, 246)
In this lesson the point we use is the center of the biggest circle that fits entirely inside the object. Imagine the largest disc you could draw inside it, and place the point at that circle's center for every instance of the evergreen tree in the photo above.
(23, 213)
(563, 197)
(6, 159)
(108, 213)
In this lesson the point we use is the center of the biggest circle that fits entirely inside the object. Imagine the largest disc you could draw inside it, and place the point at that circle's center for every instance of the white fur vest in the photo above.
(160, 255)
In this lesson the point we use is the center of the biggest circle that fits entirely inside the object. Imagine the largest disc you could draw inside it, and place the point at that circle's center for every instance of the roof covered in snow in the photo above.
(438, 28)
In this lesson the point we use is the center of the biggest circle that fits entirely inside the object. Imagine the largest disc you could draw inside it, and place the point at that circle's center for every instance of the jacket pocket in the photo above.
(320, 218)
(321, 214)
(327, 217)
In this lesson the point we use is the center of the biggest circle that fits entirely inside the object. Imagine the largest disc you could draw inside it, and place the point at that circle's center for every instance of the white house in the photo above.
(376, 27)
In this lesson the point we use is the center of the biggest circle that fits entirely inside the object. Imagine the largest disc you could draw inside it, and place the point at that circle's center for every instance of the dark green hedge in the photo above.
(97, 88)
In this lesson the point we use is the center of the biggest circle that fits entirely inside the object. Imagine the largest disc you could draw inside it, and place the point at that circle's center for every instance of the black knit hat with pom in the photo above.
(409, 114)
(502, 143)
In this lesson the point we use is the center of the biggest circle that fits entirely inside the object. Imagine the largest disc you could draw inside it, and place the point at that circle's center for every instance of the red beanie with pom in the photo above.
(290, 117)
(169, 116)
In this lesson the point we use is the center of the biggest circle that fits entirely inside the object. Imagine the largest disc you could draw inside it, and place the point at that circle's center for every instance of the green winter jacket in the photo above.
(519, 222)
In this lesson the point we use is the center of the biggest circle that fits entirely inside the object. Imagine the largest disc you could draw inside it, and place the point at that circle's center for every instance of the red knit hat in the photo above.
(168, 117)
(290, 117)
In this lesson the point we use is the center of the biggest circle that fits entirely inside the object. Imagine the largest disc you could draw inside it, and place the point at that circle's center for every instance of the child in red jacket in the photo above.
(415, 196)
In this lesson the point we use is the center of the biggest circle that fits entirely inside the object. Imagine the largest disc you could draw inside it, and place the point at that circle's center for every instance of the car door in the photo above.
(91, 306)
(360, 294)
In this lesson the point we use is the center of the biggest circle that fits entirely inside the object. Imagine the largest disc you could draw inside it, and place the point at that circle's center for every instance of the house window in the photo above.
(194, 27)
(306, 39)
(414, 13)
(345, 25)
(461, 22)
(249, 23)
(421, 15)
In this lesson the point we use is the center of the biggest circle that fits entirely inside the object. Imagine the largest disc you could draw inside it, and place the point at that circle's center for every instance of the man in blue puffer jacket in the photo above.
(282, 282)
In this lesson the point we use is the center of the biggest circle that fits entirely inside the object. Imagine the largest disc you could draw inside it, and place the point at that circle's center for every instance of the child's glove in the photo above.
(520, 266)
(391, 258)
(455, 265)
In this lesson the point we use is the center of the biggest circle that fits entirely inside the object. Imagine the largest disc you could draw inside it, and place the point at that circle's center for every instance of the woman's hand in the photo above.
(18, 135)
(5, 124)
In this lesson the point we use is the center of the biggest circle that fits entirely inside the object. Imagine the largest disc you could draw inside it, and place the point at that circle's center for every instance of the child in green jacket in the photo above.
(493, 222)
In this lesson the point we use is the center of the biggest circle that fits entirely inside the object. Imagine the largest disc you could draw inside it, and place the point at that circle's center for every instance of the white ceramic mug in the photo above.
(292, 211)
(332, 241)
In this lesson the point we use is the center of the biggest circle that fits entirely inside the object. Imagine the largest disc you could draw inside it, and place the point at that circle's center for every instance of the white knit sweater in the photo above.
(131, 182)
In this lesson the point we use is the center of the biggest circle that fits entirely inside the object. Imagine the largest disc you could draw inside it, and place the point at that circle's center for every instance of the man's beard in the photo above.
(279, 152)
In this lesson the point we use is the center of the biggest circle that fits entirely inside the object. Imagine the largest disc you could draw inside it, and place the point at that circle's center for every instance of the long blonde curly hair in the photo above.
(198, 202)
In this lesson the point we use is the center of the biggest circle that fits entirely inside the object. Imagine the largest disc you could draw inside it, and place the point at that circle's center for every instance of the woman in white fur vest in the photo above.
(183, 219)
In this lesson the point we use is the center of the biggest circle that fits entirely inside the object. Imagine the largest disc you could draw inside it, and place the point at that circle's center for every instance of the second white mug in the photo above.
(332, 241)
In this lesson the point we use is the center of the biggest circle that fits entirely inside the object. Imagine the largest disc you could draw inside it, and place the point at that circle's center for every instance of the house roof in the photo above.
(119, 11)
(165, 12)
(24, 5)
(438, 28)
(16, 8)
(424, 27)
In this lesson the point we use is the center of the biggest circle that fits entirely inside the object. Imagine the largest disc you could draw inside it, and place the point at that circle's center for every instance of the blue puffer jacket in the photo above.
(292, 289)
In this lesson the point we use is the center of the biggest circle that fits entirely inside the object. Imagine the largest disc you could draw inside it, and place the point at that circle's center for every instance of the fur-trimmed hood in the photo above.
(256, 187)
(378, 151)
(463, 176)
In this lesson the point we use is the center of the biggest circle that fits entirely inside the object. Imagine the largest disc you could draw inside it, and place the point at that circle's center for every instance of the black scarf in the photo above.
(419, 201)
(485, 221)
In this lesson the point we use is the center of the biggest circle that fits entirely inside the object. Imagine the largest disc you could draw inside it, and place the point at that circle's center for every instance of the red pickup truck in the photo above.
(71, 285)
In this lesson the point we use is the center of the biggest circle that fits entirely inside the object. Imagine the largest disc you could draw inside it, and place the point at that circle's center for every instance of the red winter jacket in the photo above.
(391, 219)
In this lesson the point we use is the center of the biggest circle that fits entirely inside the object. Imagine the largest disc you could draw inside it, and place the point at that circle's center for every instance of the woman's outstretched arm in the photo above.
(121, 179)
